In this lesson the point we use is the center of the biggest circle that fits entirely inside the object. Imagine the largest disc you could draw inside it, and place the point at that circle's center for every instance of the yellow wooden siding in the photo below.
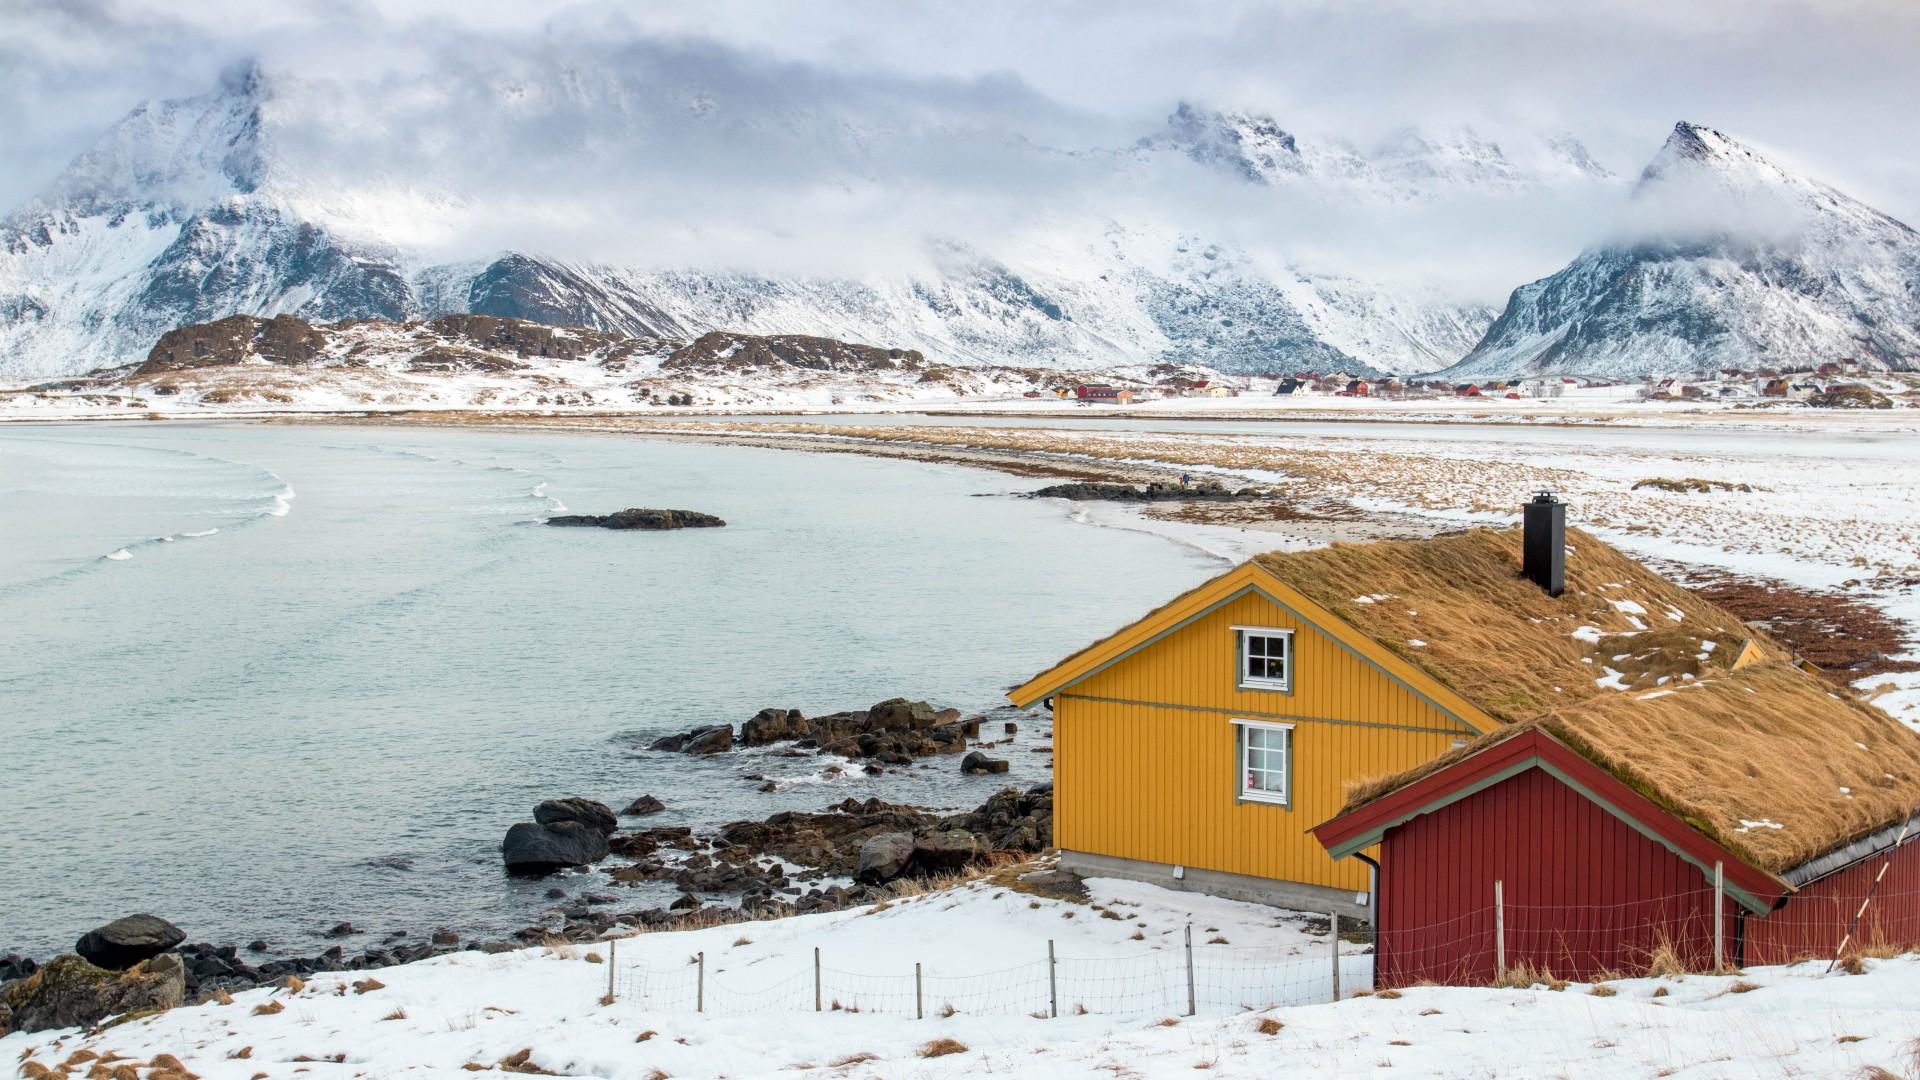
(1140, 780)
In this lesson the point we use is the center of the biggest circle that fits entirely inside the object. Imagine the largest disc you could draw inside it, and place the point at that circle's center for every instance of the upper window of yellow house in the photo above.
(1266, 658)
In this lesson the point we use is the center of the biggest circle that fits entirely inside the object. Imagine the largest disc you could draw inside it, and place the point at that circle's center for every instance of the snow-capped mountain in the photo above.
(1736, 262)
(1412, 164)
(279, 196)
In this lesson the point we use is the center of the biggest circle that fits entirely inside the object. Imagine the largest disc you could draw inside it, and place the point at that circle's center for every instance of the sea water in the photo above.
(261, 679)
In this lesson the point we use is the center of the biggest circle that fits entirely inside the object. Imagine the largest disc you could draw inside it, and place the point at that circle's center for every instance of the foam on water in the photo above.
(120, 556)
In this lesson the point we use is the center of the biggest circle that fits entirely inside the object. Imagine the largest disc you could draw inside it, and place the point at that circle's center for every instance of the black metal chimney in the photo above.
(1544, 545)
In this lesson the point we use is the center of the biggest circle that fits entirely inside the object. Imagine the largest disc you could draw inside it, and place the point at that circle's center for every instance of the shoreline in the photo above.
(1227, 532)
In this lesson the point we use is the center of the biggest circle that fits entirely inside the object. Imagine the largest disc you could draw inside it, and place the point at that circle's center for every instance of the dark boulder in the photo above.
(945, 851)
(340, 929)
(977, 763)
(642, 806)
(123, 943)
(642, 518)
(574, 808)
(534, 848)
(899, 714)
(773, 725)
(883, 858)
(14, 966)
(704, 740)
(70, 992)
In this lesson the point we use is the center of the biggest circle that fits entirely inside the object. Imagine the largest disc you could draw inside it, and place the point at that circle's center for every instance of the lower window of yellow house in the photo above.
(1266, 752)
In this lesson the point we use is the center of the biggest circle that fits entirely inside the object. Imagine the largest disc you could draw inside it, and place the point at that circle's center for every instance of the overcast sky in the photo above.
(1829, 86)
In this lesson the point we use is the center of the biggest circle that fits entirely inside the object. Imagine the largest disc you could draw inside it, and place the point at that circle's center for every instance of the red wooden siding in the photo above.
(1813, 920)
(1585, 893)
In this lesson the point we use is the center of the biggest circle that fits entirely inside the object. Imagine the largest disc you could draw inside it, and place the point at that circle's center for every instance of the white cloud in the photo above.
(834, 136)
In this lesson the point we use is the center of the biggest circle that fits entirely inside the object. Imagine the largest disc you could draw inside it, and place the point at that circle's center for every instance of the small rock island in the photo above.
(641, 518)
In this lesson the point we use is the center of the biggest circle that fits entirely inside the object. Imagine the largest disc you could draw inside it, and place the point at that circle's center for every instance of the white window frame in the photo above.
(1241, 636)
(1243, 751)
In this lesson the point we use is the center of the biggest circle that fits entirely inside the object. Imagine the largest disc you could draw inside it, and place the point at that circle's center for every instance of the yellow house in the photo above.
(1196, 748)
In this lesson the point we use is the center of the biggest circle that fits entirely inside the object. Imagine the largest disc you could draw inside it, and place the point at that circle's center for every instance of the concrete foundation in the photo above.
(1292, 895)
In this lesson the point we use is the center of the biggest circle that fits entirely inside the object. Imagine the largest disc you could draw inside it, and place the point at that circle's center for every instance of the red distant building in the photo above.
(1097, 393)
(1466, 390)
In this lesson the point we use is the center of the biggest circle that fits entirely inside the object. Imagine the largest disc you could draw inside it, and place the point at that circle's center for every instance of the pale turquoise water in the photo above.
(332, 707)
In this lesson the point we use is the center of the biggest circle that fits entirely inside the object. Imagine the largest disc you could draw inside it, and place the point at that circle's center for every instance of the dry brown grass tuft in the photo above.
(1268, 1026)
(294, 984)
(397, 1014)
(943, 1047)
(1525, 976)
(268, 1008)
(34, 1070)
(221, 997)
(368, 986)
(1170, 1021)
(1659, 992)
(1664, 961)
(645, 1035)
(241, 1054)
(852, 1059)
(1602, 990)
(521, 1061)
(1742, 986)
(1388, 994)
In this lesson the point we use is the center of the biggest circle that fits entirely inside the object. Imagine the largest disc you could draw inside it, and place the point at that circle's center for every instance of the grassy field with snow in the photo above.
(546, 1010)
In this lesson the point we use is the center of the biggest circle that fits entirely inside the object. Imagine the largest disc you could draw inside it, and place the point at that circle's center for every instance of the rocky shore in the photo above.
(792, 862)
(1154, 491)
(642, 518)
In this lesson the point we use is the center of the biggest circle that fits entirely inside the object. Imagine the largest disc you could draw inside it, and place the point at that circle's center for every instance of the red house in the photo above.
(1466, 390)
(1676, 789)
(1101, 393)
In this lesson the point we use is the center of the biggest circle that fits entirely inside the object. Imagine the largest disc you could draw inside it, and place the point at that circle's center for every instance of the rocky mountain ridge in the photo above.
(238, 202)
(483, 361)
(1745, 264)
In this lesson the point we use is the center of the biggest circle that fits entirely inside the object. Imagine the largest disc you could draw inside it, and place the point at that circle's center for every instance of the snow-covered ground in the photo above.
(584, 388)
(474, 1011)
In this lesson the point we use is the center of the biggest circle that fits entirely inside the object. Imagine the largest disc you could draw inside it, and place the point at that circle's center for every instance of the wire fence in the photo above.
(1188, 980)
(1495, 942)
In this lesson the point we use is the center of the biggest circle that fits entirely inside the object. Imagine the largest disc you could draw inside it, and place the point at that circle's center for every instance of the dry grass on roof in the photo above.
(1501, 641)
(1772, 763)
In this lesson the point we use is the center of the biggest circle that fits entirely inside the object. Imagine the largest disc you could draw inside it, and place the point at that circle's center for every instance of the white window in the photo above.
(1266, 658)
(1266, 760)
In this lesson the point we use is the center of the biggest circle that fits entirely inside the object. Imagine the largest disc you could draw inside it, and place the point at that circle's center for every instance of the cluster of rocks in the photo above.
(871, 842)
(1153, 492)
(641, 518)
(893, 732)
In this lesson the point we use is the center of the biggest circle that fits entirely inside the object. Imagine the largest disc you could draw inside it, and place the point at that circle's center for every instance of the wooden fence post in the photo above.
(613, 962)
(1190, 1002)
(816, 978)
(1499, 932)
(1053, 983)
(1719, 917)
(919, 999)
(1335, 918)
(700, 983)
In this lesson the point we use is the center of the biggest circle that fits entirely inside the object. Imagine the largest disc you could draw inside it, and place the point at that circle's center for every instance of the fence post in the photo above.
(1719, 917)
(1335, 917)
(700, 983)
(816, 978)
(1499, 932)
(613, 962)
(1053, 983)
(919, 999)
(1190, 1003)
